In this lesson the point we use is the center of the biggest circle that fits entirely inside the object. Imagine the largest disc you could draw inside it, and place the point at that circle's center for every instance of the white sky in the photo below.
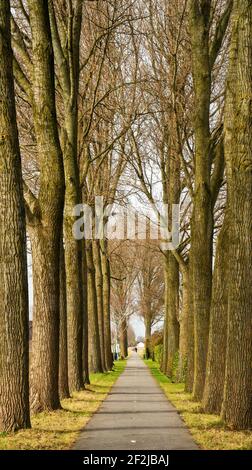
(138, 325)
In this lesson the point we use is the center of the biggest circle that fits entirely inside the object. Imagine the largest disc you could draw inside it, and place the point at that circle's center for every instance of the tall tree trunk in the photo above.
(63, 359)
(206, 187)
(85, 317)
(94, 347)
(106, 304)
(67, 54)
(183, 331)
(73, 256)
(165, 330)
(213, 392)
(45, 334)
(201, 257)
(46, 218)
(14, 326)
(202, 224)
(148, 351)
(171, 196)
(123, 338)
(237, 403)
(172, 274)
(99, 295)
(75, 304)
(190, 338)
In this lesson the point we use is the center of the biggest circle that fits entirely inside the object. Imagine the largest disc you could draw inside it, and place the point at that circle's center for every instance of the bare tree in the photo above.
(44, 215)
(14, 350)
(237, 405)
(205, 50)
(150, 288)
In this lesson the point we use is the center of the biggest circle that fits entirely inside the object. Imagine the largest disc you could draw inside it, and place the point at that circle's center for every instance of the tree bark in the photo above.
(201, 258)
(190, 338)
(45, 221)
(213, 392)
(171, 196)
(183, 331)
(45, 334)
(73, 261)
(202, 223)
(172, 306)
(63, 359)
(94, 347)
(106, 304)
(123, 338)
(99, 295)
(75, 304)
(14, 326)
(67, 57)
(237, 403)
(165, 334)
(148, 349)
(85, 317)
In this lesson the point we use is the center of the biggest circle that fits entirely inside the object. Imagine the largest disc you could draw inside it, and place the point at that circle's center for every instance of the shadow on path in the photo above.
(136, 415)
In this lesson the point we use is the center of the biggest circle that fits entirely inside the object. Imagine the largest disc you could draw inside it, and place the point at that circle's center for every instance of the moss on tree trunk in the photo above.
(237, 403)
(14, 349)
(94, 347)
(45, 226)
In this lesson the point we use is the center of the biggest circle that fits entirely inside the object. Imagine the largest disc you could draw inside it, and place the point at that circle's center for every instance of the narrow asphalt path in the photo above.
(136, 415)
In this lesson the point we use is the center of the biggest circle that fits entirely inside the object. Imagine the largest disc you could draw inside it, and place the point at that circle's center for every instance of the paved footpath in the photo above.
(136, 415)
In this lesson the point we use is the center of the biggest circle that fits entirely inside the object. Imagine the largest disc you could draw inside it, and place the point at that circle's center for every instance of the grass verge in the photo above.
(58, 430)
(207, 430)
